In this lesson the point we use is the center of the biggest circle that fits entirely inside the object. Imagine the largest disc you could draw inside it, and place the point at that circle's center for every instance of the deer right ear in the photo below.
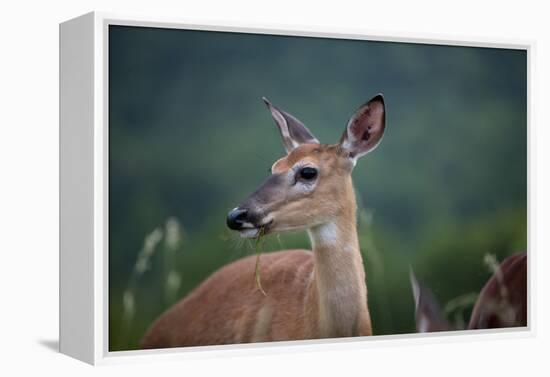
(365, 128)
(292, 130)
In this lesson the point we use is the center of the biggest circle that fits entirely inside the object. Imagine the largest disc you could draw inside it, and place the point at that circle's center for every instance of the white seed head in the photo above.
(128, 303)
(173, 233)
(142, 265)
(173, 281)
(151, 241)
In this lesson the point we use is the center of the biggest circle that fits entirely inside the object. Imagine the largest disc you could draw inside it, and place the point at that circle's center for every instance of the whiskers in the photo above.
(237, 246)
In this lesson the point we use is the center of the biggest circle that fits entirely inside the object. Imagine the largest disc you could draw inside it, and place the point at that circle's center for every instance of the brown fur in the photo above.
(503, 300)
(225, 308)
(229, 308)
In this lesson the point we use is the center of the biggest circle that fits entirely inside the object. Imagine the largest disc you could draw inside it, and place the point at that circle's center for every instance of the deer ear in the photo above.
(365, 128)
(428, 315)
(292, 130)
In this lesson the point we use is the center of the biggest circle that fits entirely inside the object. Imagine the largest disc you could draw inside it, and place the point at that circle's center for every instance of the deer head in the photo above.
(311, 184)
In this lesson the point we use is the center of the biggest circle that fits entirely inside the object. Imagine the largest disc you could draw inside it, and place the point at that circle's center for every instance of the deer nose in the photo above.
(236, 218)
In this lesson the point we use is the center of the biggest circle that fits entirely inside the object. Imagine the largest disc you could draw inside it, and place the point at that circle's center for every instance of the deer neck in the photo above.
(338, 285)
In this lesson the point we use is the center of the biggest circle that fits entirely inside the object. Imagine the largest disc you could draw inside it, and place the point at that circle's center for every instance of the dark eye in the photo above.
(308, 173)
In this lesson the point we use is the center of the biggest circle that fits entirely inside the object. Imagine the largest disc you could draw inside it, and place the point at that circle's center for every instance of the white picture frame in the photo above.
(84, 192)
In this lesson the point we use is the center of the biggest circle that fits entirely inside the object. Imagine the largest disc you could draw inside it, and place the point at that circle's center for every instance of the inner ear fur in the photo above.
(292, 130)
(365, 128)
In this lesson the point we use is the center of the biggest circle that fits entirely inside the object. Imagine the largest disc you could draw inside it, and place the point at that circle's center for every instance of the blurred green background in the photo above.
(190, 138)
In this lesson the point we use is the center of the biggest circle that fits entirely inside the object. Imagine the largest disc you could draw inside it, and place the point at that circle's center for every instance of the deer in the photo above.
(309, 294)
(502, 301)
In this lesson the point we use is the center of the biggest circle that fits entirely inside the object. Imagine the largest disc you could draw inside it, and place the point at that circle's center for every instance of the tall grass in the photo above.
(173, 240)
(172, 233)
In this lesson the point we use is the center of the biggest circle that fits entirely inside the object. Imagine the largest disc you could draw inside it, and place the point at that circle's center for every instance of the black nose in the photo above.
(236, 218)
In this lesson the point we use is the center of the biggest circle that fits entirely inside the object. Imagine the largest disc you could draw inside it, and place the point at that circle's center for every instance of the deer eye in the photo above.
(308, 173)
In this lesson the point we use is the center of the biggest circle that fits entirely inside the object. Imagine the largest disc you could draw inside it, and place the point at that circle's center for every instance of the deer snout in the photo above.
(237, 219)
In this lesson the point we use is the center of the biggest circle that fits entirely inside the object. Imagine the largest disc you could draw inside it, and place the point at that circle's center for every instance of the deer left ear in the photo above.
(365, 128)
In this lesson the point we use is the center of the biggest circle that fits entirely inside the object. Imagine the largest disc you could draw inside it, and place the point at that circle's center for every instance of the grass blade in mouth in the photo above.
(259, 244)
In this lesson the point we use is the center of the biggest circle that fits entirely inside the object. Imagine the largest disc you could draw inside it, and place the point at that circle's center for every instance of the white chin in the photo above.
(249, 233)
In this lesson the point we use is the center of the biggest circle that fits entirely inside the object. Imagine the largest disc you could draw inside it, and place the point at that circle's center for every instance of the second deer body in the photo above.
(310, 294)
